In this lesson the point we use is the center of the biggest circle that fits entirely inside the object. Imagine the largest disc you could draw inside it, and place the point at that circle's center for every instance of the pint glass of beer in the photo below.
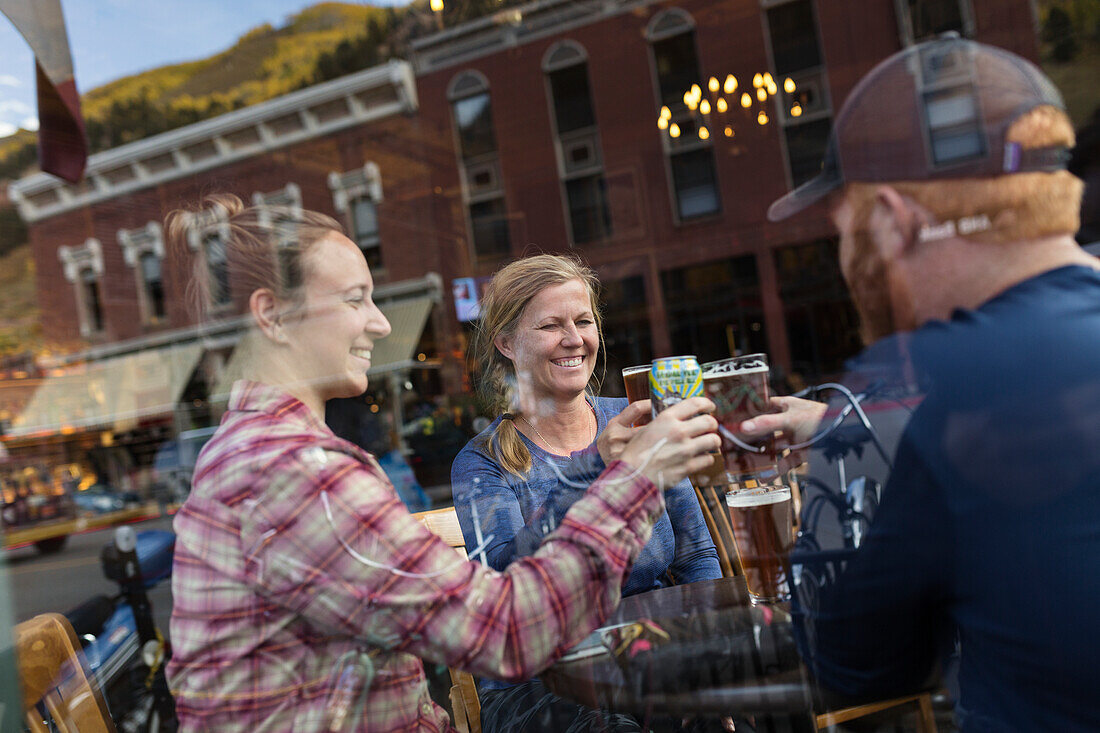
(636, 381)
(738, 387)
(762, 535)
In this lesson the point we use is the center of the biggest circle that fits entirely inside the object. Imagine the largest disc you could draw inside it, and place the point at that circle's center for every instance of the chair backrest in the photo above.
(444, 524)
(464, 701)
(51, 672)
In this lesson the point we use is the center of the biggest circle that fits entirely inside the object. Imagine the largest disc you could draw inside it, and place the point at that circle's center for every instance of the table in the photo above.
(757, 688)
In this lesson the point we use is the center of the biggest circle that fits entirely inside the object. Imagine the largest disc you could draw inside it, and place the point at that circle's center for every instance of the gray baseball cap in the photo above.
(939, 109)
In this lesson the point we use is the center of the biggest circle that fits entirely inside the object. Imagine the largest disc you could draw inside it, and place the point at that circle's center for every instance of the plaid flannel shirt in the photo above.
(289, 614)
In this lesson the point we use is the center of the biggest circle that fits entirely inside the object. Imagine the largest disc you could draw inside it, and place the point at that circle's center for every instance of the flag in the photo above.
(62, 145)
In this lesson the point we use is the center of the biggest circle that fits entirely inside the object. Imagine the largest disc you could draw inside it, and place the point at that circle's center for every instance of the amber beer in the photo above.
(762, 535)
(738, 387)
(636, 381)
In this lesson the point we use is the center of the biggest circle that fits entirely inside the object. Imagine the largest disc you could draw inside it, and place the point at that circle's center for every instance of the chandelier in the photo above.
(721, 107)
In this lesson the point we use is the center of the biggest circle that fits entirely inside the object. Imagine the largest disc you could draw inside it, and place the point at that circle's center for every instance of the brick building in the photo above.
(551, 126)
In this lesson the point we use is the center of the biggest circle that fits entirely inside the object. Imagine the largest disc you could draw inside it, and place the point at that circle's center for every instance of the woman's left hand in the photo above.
(619, 431)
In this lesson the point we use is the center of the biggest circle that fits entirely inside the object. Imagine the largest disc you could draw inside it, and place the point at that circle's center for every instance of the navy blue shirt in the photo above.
(519, 512)
(990, 522)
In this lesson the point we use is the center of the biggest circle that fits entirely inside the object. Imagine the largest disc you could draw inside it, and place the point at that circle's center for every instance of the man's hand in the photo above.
(796, 418)
(677, 443)
(619, 431)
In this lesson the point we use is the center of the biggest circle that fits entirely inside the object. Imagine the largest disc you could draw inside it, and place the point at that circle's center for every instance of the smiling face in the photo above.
(555, 343)
(332, 332)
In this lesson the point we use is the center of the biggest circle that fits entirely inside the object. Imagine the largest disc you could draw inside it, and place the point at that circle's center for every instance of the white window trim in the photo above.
(74, 261)
(136, 243)
(365, 182)
(289, 196)
(201, 223)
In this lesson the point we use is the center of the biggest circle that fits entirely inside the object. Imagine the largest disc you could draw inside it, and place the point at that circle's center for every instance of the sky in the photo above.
(115, 38)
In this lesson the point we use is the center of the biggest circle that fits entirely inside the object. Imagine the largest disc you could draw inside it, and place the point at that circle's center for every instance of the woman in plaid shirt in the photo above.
(305, 594)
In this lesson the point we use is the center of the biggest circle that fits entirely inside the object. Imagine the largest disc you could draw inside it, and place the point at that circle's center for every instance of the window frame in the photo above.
(349, 187)
(136, 244)
(463, 85)
(905, 21)
(653, 35)
(76, 261)
(551, 65)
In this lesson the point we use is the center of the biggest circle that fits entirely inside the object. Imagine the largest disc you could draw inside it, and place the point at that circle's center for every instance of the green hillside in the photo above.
(320, 42)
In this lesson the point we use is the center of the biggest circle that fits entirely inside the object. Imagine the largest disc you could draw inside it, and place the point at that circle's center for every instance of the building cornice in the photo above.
(379, 92)
(509, 28)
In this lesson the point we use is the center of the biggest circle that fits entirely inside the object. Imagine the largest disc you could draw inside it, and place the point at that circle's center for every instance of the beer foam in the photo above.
(636, 369)
(757, 497)
(751, 364)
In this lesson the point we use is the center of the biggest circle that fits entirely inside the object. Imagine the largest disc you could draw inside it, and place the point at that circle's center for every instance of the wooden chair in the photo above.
(926, 721)
(51, 672)
(464, 700)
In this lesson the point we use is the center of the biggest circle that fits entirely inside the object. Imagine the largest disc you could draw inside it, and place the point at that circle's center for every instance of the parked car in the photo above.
(102, 499)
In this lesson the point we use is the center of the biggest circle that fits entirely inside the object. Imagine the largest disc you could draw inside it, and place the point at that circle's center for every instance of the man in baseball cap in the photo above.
(945, 176)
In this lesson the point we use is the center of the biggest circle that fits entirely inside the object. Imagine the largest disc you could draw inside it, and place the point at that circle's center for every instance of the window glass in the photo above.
(677, 67)
(218, 265)
(714, 310)
(626, 330)
(695, 183)
(932, 17)
(572, 100)
(474, 120)
(588, 212)
(794, 36)
(489, 222)
(154, 285)
(93, 303)
(805, 148)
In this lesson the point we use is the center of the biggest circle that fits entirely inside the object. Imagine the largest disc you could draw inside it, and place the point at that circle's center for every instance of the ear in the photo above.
(504, 345)
(267, 314)
(895, 223)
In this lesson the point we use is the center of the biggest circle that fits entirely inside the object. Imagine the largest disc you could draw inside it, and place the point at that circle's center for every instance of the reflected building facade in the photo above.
(532, 130)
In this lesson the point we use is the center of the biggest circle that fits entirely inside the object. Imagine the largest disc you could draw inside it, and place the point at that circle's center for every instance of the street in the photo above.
(41, 583)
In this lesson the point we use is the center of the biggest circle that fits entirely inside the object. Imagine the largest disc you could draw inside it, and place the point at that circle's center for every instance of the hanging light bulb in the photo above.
(688, 97)
(761, 94)
(721, 105)
(796, 110)
(746, 100)
(666, 113)
(674, 130)
(758, 81)
(437, 6)
(696, 92)
(730, 84)
(762, 118)
(662, 123)
(704, 107)
(729, 131)
(713, 84)
(788, 85)
(768, 78)
(770, 86)
(693, 104)
(704, 133)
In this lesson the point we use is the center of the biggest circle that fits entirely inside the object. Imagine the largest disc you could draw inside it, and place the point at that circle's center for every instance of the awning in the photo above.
(407, 317)
(113, 393)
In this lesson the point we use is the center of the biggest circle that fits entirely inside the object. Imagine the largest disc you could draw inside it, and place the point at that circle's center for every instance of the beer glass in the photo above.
(636, 381)
(738, 387)
(762, 534)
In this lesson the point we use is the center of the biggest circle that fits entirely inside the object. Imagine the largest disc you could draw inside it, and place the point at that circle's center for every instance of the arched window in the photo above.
(580, 157)
(479, 163)
(691, 169)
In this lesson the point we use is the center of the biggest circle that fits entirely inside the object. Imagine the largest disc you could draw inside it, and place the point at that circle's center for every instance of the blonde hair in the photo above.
(511, 289)
(1020, 206)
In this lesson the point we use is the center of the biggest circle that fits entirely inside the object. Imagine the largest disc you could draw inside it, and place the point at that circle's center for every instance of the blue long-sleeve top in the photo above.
(519, 512)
